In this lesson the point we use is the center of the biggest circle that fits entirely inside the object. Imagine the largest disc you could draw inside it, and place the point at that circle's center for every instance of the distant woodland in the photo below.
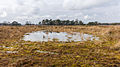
(58, 22)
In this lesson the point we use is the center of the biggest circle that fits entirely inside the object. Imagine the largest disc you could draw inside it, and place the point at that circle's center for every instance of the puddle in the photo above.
(6, 47)
(45, 52)
(11, 52)
(43, 36)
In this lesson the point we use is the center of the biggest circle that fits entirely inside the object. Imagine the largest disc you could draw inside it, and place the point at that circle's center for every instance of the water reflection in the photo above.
(46, 52)
(41, 36)
(11, 52)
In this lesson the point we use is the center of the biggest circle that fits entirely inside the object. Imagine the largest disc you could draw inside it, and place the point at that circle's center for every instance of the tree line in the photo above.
(58, 22)
(73, 22)
(61, 22)
(14, 23)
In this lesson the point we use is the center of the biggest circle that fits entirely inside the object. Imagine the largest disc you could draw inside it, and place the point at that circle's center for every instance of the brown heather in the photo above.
(102, 53)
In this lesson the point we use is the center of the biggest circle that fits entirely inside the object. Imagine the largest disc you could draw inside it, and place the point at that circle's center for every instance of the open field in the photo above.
(102, 53)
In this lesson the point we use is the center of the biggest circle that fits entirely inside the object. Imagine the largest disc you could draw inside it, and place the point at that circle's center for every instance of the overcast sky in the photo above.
(36, 10)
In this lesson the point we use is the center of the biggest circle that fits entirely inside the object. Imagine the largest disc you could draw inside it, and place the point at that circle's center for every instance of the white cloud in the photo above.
(36, 10)
(86, 17)
(3, 14)
(82, 4)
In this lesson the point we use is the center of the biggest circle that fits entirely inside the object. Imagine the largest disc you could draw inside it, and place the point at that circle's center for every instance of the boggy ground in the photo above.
(15, 52)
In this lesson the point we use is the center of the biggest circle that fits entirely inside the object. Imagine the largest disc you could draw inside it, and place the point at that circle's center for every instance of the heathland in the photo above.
(15, 52)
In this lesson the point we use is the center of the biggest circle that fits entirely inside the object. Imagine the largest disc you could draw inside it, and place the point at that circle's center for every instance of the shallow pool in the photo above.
(45, 36)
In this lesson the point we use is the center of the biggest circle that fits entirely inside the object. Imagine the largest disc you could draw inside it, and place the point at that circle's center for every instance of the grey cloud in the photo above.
(36, 10)
(83, 4)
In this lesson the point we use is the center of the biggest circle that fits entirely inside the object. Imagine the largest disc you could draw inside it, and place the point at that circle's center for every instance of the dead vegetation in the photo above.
(104, 52)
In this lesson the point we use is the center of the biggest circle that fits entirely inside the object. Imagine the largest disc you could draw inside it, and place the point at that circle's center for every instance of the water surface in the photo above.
(41, 36)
